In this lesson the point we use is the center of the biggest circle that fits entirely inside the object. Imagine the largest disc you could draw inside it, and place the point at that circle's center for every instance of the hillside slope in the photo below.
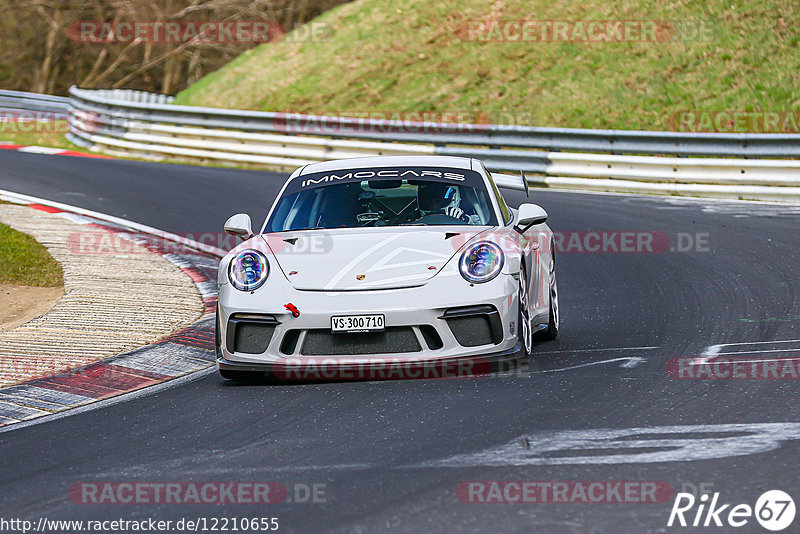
(419, 55)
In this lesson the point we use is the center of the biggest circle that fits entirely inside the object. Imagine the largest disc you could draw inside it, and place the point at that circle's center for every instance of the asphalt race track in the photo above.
(392, 454)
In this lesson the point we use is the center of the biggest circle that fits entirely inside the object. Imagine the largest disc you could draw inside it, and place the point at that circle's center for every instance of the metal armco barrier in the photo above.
(25, 104)
(674, 163)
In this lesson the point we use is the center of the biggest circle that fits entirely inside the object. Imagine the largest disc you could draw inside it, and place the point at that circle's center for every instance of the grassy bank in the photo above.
(39, 133)
(24, 261)
(417, 55)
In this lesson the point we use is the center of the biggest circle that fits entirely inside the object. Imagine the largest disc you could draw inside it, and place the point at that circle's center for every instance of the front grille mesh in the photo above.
(471, 330)
(252, 338)
(322, 342)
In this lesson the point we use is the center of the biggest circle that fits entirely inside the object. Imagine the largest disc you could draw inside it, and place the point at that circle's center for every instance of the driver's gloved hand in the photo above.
(456, 213)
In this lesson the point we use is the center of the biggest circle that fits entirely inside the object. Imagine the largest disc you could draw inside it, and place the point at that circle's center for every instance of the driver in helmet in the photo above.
(435, 198)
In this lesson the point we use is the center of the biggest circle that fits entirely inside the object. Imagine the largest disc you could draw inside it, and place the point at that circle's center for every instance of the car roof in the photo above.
(388, 161)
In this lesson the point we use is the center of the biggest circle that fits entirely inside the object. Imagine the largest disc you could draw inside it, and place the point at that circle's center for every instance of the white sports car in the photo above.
(389, 264)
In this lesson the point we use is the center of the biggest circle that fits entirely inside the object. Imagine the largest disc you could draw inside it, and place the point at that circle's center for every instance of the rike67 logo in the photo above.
(774, 510)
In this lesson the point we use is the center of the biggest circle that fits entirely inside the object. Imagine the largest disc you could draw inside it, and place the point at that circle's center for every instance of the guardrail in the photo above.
(149, 126)
(23, 104)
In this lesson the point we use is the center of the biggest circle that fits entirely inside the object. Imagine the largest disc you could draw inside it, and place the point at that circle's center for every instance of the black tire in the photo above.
(551, 332)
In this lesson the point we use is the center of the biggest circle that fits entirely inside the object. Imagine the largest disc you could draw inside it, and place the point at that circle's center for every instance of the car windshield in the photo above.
(394, 197)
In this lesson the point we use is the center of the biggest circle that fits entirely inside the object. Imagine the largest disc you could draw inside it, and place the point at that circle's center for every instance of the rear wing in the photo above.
(512, 181)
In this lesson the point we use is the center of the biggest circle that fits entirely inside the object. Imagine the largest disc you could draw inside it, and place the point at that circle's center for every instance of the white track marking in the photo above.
(708, 354)
(737, 208)
(27, 199)
(765, 360)
(715, 351)
(596, 350)
(629, 445)
(34, 149)
(797, 349)
(758, 343)
(631, 361)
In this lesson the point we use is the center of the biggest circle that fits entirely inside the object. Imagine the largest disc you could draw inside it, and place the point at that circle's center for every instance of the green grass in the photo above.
(39, 133)
(410, 55)
(24, 261)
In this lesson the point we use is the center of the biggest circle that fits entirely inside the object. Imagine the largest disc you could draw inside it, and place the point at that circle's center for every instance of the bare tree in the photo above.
(44, 49)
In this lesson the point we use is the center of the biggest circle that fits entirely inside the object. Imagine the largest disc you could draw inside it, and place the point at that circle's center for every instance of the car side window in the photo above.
(500, 200)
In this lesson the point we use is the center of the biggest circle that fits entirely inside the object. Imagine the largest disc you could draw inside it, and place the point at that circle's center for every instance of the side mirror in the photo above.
(529, 215)
(239, 225)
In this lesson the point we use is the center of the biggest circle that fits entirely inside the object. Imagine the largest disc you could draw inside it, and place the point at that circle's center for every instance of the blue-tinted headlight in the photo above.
(248, 270)
(481, 262)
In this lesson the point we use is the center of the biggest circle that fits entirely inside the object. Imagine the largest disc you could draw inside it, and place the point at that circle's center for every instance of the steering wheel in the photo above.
(439, 218)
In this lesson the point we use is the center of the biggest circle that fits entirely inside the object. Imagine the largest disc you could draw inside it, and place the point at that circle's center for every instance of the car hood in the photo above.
(366, 258)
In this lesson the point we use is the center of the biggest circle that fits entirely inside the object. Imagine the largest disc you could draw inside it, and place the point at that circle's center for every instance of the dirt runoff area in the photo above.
(20, 304)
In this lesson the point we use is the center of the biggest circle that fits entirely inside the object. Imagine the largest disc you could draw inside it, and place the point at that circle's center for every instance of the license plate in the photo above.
(358, 323)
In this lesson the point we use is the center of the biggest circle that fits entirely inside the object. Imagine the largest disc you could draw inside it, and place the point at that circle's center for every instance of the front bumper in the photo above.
(407, 312)
(327, 368)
